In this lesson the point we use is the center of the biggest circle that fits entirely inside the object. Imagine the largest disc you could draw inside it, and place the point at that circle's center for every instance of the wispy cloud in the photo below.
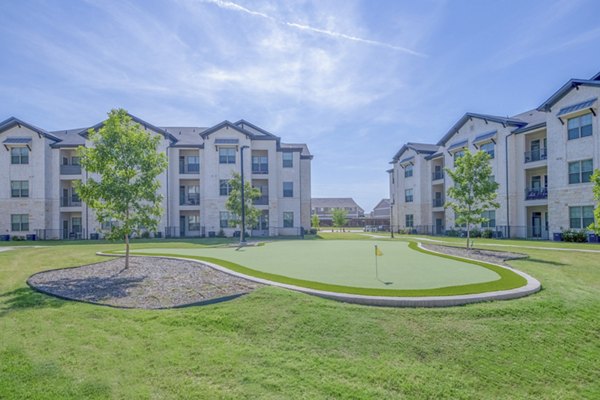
(308, 28)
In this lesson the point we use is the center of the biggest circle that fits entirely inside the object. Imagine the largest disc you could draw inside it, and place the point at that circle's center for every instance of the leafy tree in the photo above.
(314, 221)
(595, 179)
(234, 202)
(338, 216)
(126, 159)
(473, 191)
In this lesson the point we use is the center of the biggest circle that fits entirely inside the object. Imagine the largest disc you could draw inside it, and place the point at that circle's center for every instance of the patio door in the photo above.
(182, 225)
(439, 226)
(65, 234)
(536, 224)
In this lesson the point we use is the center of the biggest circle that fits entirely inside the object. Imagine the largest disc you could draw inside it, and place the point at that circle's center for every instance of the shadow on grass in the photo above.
(25, 298)
(538, 261)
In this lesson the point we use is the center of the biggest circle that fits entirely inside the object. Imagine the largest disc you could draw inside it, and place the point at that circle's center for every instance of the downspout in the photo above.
(507, 180)
(168, 190)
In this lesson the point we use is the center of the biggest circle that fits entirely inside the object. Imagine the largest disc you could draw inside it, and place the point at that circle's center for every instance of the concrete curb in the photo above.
(532, 286)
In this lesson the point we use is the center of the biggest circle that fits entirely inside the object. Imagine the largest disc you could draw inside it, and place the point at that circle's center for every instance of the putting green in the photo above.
(349, 266)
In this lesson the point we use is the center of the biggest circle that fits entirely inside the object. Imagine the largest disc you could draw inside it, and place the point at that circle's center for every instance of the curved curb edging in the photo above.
(532, 286)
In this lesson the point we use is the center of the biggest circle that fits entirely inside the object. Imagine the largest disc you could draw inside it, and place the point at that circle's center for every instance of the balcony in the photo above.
(437, 175)
(189, 199)
(536, 155)
(70, 201)
(438, 202)
(67, 169)
(536, 193)
(261, 201)
(189, 168)
(260, 169)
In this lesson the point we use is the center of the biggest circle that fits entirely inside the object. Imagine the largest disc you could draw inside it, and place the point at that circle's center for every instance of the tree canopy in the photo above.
(234, 202)
(339, 217)
(595, 179)
(473, 190)
(124, 163)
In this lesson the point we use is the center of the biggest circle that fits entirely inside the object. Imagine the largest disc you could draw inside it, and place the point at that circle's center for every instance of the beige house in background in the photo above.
(38, 169)
(542, 160)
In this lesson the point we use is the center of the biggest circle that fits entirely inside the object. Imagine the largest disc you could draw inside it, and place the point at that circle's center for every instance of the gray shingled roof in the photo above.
(419, 148)
(304, 148)
(186, 135)
(69, 138)
(334, 202)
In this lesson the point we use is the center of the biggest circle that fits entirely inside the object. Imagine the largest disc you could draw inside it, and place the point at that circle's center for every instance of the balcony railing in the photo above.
(437, 175)
(262, 201)
(70, 201)
(189, 168)
(70, 169)
(536, 193)
(536, 155)
(438, 202)
(260, 169)
(189, 199)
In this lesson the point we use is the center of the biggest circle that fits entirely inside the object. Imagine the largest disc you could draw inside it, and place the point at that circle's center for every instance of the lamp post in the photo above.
(392, 218)
(243, 232)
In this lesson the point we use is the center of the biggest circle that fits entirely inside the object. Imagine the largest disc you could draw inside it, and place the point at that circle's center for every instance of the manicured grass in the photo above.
(349, 267)
(278, 344)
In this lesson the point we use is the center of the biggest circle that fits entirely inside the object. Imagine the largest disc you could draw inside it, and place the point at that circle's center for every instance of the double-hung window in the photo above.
(19, 188)
(19, 222)
(224, 219)
(488, 148)
(226, 155)
(408, 171)
(409, 220)
(580, 126)
(19, 155)
(580, 171)
(288, 219)
(408, 195)
(224, 187)
(288, 159)
(288, 189)
(581, 217)
(490, 216)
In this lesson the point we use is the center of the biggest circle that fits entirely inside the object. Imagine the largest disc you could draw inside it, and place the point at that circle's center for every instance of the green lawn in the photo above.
(349, 267)
(278, 344)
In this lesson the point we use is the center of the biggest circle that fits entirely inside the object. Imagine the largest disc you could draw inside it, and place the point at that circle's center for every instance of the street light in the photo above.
(243, 232)
(392, 217)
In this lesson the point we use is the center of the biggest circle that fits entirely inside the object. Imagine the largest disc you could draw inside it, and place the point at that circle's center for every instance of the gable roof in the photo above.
(135, 119)
(505, 121)
(334, 202)
(225, 124)
(383, 203)
(565, 89)
(419, 148)
(13, 121)
(244, 124)
(595, 77)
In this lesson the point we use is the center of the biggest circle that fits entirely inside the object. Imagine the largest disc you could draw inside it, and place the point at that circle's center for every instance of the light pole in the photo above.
(243, 232)
(392, 217)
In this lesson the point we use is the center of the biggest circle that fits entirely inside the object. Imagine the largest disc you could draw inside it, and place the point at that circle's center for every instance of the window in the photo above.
(409, 220)
(408, 195)
(288, 219)
(19, 188)
(260, 165)
(19, 222)
(488, 148)
(75, 161)
(193, 222)
(226, 155)
(408, 171)
(224, 187)
(491, 219)
(19, 155)
(580, 171)
(288, 189)
(581, 217)
(224, 219)
(580, 126)
(458, 154)
(288, 160)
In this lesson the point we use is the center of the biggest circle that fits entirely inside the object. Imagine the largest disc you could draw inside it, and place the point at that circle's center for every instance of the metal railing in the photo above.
(536, 155)
(189, 199)
(536, 193)
(438, 202)
(260, 169)
(437, 175)
(189, 168)
(70, 201)
(70, 169)
(261, 201)
(60, 234)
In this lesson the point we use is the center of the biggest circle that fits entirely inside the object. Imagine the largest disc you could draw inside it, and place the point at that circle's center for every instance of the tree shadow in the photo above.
(90, 289)
(538, 261)
(24, 298)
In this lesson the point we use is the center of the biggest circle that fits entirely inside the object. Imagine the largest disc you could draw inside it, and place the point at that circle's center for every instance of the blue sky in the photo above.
(353, 79)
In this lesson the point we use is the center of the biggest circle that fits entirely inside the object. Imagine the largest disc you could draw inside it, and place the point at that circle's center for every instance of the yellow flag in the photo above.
(377, 251)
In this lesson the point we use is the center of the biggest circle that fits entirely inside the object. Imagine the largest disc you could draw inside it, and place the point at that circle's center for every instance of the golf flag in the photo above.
(377, 251)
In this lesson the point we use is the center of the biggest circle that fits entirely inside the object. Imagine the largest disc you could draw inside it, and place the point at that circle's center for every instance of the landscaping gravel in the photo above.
(149, 282)
(496, 257)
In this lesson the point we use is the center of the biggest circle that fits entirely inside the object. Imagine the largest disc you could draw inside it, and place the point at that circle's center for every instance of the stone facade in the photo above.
(532, 156)
(200, 161)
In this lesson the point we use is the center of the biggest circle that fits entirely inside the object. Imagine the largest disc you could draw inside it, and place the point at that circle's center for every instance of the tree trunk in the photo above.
(126, 251)
(468, 237)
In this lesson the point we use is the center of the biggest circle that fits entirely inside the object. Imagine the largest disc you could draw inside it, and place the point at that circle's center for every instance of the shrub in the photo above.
(145, 235)
(487, 233)
(475, 233)
(18, 238)
(221, 233)
(574, 235)
(452, 233)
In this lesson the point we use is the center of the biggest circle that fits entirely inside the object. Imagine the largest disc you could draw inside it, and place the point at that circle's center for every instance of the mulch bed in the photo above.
(149, 282)
(491, 256)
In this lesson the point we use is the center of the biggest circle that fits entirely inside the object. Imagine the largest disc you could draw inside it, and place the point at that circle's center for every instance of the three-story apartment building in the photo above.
(38, 170)
(542, 160)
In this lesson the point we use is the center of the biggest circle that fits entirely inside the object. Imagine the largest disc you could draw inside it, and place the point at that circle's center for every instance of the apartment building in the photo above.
(38, 170)
(542, 160)
(323, 208)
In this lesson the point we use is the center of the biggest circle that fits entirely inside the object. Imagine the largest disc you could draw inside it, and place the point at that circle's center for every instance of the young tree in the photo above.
(127, 162)
(314, 221)
(595, 179)
(338, 217)
(473, 191)
(234, 202)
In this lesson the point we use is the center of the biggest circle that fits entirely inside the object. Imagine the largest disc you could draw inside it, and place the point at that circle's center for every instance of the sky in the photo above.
(353, 79)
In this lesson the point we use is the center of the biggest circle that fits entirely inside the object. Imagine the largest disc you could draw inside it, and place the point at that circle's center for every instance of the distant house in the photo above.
(382, 210)
(324, 207)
